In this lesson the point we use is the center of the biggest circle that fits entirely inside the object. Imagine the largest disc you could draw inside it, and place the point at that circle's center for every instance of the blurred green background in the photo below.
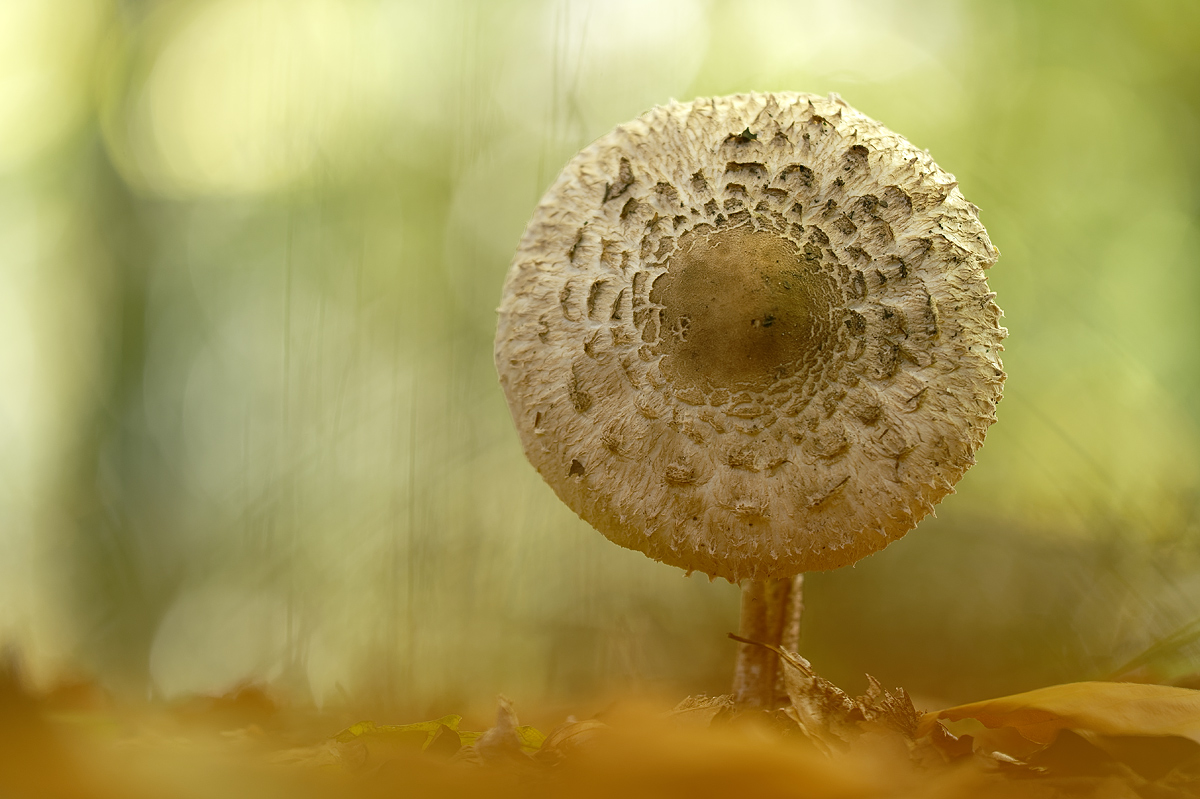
(249, 424)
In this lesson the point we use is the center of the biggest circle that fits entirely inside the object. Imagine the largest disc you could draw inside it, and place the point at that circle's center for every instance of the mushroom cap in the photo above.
(752, 336)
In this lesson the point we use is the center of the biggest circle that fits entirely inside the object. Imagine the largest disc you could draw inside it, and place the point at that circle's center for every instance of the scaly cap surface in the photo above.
(752, 336)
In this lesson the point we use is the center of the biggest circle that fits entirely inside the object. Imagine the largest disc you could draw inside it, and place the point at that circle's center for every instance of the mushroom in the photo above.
(751, 336)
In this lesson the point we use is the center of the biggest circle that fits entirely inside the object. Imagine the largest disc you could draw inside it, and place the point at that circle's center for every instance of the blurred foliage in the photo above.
(249, 424)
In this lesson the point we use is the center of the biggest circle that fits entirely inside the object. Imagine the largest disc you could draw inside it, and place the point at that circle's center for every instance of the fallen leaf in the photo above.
(421, 734)
(369, 744)
(568, 737)
(1106, 708)
(699, 711)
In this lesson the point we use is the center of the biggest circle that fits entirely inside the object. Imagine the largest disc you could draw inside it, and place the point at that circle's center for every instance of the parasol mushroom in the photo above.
(751, 336)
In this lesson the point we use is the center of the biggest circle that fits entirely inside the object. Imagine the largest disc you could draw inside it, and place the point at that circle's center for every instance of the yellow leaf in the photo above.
(469, 737)
(420, 734)
(531, 738)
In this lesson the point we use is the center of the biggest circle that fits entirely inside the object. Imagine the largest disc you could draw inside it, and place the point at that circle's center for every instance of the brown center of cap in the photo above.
(742, 309)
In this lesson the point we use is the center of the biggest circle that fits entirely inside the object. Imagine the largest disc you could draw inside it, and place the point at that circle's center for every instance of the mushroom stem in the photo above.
(771, 611)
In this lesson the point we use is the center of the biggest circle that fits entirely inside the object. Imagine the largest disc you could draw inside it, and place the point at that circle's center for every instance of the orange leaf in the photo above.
(1107, 708)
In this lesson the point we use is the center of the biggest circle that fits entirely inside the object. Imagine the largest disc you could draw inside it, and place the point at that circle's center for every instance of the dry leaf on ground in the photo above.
(1107, 708)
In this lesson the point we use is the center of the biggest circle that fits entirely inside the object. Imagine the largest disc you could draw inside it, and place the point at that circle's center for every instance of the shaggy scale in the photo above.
(752, 336)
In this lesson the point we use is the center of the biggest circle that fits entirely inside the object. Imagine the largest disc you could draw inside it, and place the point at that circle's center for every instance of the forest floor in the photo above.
(1099, 739)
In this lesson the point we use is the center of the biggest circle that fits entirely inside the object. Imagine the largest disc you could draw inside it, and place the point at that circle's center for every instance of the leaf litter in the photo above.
(1091, 739)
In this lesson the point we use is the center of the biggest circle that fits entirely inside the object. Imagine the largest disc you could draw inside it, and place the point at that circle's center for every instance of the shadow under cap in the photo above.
(741, 310)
